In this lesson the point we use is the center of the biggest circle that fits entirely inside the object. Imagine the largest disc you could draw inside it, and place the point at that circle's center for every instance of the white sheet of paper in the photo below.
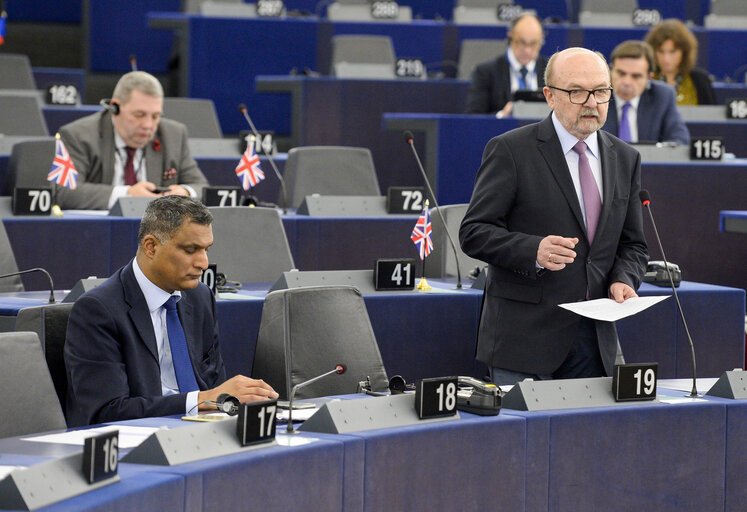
(129, 436)
(611, 311)
(6, 470)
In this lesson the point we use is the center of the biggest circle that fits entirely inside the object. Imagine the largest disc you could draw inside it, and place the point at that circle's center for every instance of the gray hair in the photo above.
(165, 215)
(137, 80)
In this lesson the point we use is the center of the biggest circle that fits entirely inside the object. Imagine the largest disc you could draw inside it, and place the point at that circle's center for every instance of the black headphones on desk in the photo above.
(226, 403)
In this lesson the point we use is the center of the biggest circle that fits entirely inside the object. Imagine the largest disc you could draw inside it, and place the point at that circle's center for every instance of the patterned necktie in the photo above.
(523, 80)
(589, 191)
(129, 170)
(624, 130)
(185, 376)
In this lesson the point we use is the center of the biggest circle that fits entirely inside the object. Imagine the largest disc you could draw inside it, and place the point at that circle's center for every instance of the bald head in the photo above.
(561, 61)
(526, 37)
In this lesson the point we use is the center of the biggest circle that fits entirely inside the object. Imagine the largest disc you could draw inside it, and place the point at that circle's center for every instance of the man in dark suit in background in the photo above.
(555, 213)
(128, 149)
(128, 353)
(521, 67)
(642, 110)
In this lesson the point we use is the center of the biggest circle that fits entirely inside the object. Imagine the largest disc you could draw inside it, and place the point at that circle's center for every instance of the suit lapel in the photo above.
(139, 312)
(187, 319)
(643, 112)
(609, 165)
(106, 139)
(549, 146)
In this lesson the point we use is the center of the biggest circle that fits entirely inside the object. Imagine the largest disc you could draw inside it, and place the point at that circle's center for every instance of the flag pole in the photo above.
(423, 285)
(56, 210)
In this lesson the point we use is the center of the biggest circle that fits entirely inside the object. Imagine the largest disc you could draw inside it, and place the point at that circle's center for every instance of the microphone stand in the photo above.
(38, 269)
(289, 429)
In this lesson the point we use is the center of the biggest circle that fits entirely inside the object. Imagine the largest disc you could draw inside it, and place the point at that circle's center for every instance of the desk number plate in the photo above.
(707, 148)
(100, 456)
(221, 196)
(256, 422)
(634, 382)
(436, 397)
(405, 199)
(32, 201)
(209, 276)
(394, 274)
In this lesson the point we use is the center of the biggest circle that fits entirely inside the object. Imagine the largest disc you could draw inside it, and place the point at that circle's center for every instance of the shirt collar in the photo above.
(567, 141)
(619, 102)
(516, 65)
(154, 296)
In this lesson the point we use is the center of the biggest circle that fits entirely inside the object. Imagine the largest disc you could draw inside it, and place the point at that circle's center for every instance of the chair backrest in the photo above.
(728, 8)
(363, 56)
(21, 115)
(441, 261)
(198, 115)
(15, 72)
(305, 332)
(530, 110)
(476, 51)
(228, 9)
(24, 379)
(29, 164)
(8, 264)
(249, 245)
(49, 322)
(610, 6)
(329, 170)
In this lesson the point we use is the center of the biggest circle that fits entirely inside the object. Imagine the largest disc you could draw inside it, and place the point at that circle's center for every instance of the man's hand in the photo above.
(620, 292)
(243, 388)
(142, 189)
(176, 190)
(555, 252)
(505, 111)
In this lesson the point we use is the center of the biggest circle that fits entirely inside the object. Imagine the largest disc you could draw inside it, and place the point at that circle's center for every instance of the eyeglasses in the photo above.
(581, 96)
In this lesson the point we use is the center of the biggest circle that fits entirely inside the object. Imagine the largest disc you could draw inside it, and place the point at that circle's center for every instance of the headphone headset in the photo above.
(227, 403)
(110, 105)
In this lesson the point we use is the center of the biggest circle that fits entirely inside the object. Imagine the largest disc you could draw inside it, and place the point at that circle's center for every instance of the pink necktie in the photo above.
(589, 191)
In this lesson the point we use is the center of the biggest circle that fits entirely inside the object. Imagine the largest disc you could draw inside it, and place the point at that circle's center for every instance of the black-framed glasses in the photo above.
(581, 96)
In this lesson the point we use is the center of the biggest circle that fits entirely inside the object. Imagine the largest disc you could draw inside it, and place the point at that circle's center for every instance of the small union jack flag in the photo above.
(421, 234)
(248, 170)
(2, 22)
(63, 170)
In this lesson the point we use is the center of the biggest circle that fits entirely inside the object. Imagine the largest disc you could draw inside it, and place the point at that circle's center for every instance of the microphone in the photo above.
(645, 198)
(339, 369)
(38, 269)
(133, 62)
(243, 110)
(409, 139)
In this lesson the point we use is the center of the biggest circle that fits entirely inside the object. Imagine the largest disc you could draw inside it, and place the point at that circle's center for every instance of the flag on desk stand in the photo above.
(421, 237)
(2, 23)
(248, 170)
(63, 171)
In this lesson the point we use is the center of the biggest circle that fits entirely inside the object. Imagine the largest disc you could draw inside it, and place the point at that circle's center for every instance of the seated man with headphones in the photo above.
(128, 149)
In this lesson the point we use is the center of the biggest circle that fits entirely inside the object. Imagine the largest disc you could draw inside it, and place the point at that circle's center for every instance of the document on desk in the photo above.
(611, 311)
(129, 436)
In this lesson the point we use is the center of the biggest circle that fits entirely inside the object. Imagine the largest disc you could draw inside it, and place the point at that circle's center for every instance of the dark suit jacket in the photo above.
(111, 356)
(90, 142)
(524, 192)
(658, 117)
(703, 87)
(490, 89)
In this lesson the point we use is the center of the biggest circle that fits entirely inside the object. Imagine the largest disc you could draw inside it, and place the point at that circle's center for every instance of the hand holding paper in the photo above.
(611, 311)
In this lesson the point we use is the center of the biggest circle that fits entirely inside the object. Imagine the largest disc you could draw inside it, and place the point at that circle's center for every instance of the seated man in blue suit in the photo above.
(642, 110)
(145, 342)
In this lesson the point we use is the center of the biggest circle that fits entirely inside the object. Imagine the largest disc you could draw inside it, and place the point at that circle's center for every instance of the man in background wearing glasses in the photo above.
(555, 213)
(520, 68)
(642, 110)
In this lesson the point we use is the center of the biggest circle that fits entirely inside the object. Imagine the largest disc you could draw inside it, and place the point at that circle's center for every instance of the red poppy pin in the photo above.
(170, 174)
(156, 145)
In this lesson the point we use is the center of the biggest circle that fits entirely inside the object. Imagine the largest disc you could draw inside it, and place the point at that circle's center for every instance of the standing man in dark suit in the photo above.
(128, 149)
(145, 342)
(555, 213)
(521, 67)
(642, 110)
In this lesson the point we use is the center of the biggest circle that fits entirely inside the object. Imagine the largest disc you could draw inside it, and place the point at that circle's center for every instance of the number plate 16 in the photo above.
(634, 382)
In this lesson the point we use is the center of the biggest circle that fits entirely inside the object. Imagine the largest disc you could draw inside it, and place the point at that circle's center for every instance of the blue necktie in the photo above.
(185, 375)
(624, 130)
(523, 79)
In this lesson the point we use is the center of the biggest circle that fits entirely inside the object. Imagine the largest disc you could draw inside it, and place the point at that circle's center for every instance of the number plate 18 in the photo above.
(634, 382)
(436, 397)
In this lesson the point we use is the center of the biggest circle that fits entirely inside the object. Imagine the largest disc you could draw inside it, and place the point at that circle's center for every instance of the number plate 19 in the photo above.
(436, 397)
(632, 382)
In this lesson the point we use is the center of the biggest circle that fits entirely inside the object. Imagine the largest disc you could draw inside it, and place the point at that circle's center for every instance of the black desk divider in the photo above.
(369, 413)
(199, 441)
(732, 384)
(46, 483)
(361, 279)
(541, 395)
(130, 206)
(343, 206)
(81, 287)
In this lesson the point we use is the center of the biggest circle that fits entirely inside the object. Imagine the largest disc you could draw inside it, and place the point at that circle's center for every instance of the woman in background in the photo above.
(676, 51)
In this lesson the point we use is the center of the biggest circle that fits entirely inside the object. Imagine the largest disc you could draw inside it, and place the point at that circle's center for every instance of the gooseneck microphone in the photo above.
(38, 269)
(646, 201)
(409, 139)
(133, 62)
(339, 369)
(243, 110)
